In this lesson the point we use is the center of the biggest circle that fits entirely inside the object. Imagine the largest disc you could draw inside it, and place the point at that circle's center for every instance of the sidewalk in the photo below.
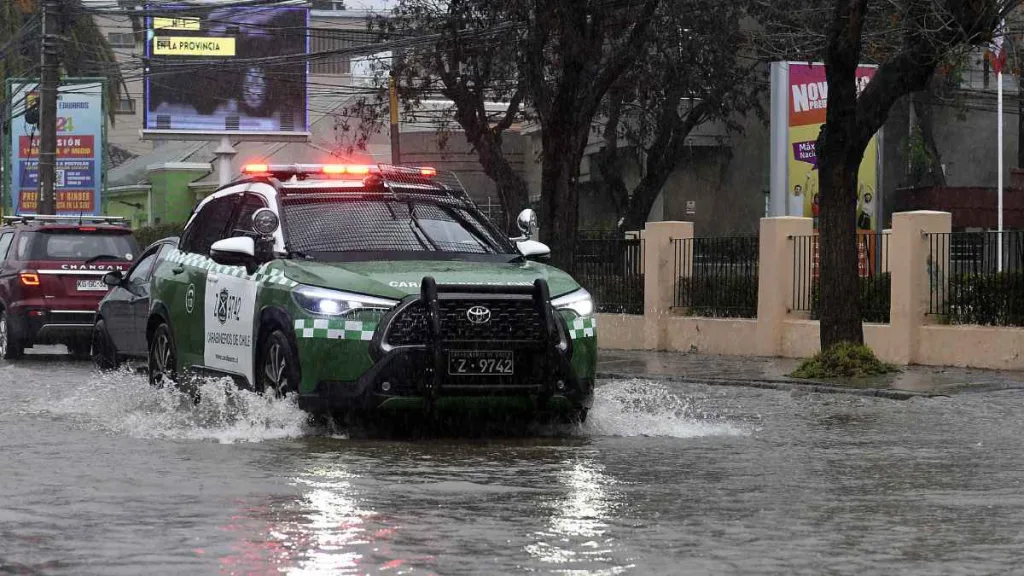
(772, 373)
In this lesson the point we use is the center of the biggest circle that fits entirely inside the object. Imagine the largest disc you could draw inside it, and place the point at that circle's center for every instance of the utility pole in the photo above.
(48, 86)
(396, 149)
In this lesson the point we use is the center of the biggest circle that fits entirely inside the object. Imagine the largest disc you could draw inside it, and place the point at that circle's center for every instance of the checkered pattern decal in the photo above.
(583, 328)
(262, 275)
(335, 329)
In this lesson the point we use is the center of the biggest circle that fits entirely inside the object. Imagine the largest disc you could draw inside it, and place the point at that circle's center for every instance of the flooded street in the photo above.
(103, 475)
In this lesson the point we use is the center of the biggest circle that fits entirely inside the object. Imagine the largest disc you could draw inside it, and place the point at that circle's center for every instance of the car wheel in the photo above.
(103, 352)
(10, 345)
(278, 366)
(162, 357)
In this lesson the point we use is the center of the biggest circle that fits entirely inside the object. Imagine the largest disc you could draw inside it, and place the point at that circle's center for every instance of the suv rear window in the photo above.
(76, 245)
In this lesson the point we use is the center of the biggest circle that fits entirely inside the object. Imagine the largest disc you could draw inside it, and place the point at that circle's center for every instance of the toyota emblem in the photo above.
(478, 315)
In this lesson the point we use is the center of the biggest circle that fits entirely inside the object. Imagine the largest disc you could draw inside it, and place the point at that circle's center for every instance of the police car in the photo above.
(360, 287)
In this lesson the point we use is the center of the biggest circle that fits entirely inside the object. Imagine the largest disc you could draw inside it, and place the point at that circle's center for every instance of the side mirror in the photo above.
(113, 278)
(533, 249)
(238, 251)
(527, 223)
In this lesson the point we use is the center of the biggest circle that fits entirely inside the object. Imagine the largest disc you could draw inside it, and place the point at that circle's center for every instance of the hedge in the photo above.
(718, 296)
(986, 299)
(146, 235)
(875, 298)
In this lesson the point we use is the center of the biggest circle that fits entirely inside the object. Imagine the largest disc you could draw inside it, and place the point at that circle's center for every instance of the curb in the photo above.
(777, 384)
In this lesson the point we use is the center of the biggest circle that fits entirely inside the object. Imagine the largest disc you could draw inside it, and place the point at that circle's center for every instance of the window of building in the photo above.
(125, 106)
(121, 39)
(326, 40)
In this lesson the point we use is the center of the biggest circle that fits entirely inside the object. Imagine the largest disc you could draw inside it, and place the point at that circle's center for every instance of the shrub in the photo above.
(995, 299)
(146, 235)
(843, 360)
(875, 298)
(719, 296)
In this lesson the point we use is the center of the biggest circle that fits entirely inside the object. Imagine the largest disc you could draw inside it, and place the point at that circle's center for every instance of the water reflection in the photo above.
(578, 536)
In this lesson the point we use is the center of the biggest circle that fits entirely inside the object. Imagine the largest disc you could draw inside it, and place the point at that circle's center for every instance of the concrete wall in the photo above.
(967, 143)
(912, 336)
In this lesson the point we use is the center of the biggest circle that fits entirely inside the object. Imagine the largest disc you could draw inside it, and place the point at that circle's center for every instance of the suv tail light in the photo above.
(29, 278)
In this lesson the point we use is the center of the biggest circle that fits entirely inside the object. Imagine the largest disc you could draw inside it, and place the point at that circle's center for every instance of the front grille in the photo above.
(511, 320)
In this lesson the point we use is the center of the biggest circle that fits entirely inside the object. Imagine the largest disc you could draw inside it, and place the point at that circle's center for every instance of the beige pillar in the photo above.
(659, 274)
(775, 278)
(911, 266)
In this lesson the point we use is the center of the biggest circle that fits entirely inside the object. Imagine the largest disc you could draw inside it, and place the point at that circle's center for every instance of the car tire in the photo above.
(163, 357)
(278, 366)
(11, 347)
(104, 354)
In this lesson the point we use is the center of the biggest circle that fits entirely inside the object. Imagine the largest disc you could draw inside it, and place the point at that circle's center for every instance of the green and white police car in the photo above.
(359, 287)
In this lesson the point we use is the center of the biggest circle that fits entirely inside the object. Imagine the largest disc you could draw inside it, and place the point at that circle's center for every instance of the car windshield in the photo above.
(333, 224)
(83, 246)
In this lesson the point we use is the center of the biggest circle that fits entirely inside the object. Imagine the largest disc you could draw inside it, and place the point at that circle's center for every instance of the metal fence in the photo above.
(966, 285)
(716, 277)
(611, 268)
(875, 284)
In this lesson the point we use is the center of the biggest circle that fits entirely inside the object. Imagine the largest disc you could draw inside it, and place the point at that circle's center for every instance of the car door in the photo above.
(230, 304)
(185, 292)
(132, 329)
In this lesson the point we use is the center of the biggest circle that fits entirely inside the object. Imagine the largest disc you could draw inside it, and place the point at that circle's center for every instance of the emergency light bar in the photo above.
(283, 171)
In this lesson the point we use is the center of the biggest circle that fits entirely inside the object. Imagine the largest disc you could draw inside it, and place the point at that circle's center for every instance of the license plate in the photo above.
(92, 285)
(480, 363)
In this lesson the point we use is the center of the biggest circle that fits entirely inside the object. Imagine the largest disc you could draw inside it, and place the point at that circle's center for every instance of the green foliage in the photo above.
(918, 154)
(843, 360)
(986, 299)
(875, 298)
(146, 235)
(719, 296)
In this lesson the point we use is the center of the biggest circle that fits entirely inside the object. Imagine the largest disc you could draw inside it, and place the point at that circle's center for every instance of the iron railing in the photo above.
(875, 284)
(611, 268)
(966, 284)
(716, 277)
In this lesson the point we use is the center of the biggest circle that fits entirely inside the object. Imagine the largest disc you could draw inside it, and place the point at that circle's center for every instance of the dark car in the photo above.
(51, 278)
(119, 332)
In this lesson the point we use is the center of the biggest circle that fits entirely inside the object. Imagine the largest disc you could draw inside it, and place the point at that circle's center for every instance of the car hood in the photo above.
(397, 279)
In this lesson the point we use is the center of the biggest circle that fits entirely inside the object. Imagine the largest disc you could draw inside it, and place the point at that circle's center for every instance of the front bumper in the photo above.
(544, 377)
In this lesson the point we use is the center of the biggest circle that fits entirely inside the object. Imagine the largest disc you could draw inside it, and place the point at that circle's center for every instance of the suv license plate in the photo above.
(480, 362)
(91, 285)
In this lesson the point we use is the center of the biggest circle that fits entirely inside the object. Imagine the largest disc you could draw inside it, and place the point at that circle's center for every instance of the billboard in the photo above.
(226, 69)
(81, 139)
(799, 101)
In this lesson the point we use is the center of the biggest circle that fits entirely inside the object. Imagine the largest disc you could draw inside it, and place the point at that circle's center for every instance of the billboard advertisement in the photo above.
(226, 69)
(80, 146)
(799, 101)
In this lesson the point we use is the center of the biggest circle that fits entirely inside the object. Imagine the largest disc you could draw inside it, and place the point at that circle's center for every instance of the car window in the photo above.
(243, 223)
(24, 243)
(142, 270)
(5, 244)
(209, 224)
(76, 246)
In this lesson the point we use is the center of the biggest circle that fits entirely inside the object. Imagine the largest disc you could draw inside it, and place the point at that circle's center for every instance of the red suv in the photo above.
(51, 278)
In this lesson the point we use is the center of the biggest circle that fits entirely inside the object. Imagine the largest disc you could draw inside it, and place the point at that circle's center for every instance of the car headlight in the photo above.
(578, 301)
(336, 302)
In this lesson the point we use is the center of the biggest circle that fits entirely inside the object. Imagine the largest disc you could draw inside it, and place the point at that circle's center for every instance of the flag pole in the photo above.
(999, 146)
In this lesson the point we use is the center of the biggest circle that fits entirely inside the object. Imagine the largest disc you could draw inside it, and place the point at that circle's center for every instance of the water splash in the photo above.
(648, 408)
(123, 402)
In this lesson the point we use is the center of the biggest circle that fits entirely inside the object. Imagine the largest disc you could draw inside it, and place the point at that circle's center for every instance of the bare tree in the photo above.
(909, 39)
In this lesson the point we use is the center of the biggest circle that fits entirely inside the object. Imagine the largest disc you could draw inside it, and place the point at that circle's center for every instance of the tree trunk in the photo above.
(513, 192)
(840, 306)
(559, 213)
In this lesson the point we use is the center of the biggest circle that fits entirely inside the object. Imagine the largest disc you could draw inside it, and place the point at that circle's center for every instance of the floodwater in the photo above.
(100, 474)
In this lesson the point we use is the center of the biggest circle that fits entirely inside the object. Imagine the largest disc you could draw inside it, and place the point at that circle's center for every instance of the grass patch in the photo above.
(844, 360)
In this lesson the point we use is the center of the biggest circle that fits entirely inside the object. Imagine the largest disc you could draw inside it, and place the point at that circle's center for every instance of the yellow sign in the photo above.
(193, 46)
(176, 23)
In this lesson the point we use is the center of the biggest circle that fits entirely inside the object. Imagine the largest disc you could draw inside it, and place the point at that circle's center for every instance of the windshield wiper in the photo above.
(103, 257)
(298, 254)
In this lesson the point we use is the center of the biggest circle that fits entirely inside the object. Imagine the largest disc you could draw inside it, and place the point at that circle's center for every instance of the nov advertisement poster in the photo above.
(808, 98)
(226, 69)
(80, 147)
